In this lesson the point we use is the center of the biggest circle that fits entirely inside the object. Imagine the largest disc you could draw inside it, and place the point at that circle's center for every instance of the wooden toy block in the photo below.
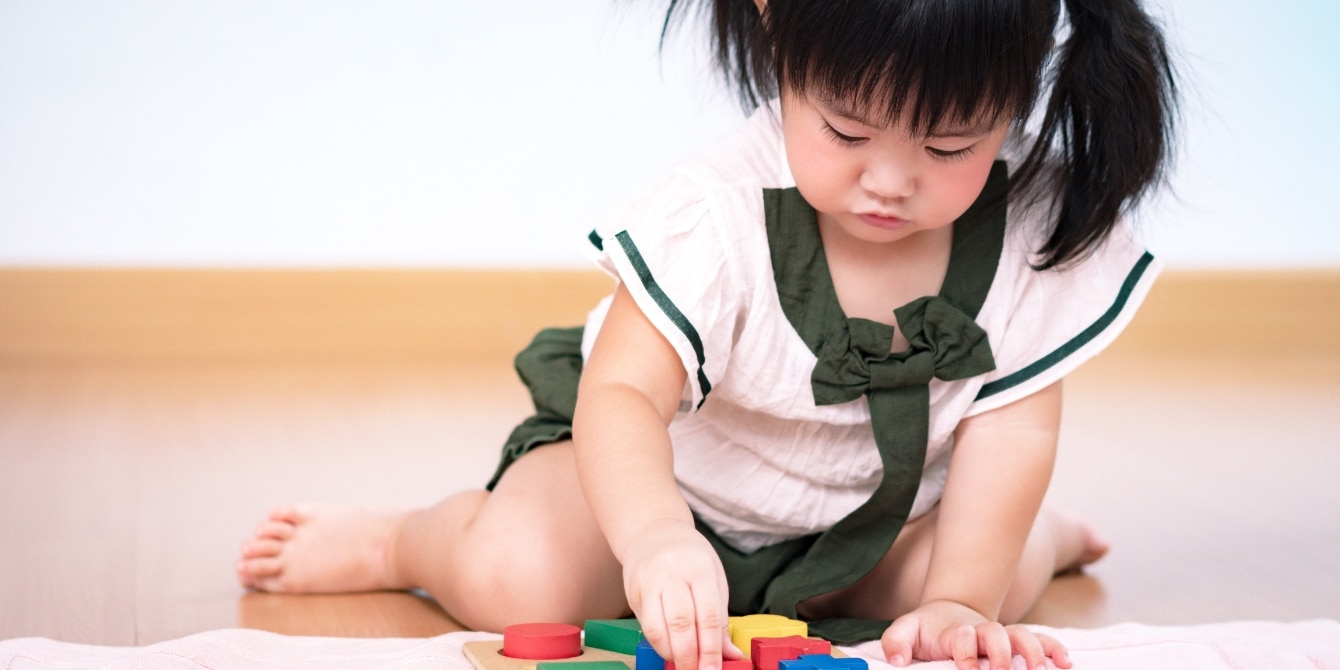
(738, 664)
(646, 658)
(619, 635)
(823, 662)
(581, 665)
(488, 655)
(542, 641)
(744, 629)
(767, 652)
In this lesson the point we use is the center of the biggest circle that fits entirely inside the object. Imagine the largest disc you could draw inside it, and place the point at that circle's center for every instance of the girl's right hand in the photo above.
(677, 589)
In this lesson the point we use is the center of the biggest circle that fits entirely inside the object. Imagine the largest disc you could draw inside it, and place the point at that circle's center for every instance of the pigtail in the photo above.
(1110, 116)
(739, 43)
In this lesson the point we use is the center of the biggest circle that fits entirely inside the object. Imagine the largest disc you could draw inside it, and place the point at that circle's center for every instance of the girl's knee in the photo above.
(535, 552)
(522, 581)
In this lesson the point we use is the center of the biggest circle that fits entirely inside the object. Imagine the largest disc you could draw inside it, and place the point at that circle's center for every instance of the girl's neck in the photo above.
(871, 280)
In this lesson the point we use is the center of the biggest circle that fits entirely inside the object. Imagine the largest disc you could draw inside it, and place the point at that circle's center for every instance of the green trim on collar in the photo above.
(1084, 337)
(979, 238)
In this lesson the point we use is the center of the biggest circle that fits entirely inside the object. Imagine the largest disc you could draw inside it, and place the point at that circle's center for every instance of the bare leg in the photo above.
(528, 551)
(1059, 541)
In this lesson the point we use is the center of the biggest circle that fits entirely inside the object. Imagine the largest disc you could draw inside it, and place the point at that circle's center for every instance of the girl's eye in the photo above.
(951, 154)
(839, 137)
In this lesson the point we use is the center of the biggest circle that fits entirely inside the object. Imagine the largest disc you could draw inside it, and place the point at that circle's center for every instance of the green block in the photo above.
(581, 665)
(617, 635)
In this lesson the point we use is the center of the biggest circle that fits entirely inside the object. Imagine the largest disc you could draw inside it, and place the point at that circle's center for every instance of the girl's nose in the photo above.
(887, 179)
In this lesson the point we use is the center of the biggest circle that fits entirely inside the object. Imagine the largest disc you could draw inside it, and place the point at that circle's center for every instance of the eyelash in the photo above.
(955, 155)
(834, 135)
(938, 154)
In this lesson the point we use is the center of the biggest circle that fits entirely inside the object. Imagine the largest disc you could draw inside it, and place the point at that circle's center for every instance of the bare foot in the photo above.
(1077, 541)
(322, 549)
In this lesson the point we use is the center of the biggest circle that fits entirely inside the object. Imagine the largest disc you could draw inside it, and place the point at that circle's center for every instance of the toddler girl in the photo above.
(828, 382)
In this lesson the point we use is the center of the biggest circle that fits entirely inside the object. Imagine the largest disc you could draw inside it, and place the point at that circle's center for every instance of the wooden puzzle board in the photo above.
(487, 655)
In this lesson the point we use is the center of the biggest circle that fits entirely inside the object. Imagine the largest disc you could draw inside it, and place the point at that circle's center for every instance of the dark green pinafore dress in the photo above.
(854, 360)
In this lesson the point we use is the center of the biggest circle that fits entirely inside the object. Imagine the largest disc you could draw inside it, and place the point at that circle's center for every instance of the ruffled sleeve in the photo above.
(673, 254)
(1044, 324)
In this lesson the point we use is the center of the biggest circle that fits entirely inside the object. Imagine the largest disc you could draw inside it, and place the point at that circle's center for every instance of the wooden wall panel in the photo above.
(452, 314)
(275, 314)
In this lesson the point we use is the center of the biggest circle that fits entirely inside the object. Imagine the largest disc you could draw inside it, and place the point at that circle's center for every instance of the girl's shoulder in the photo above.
(1043, 324)
(718, 187)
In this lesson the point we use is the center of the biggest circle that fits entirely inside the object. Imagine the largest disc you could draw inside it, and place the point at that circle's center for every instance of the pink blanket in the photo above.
(1254, 645)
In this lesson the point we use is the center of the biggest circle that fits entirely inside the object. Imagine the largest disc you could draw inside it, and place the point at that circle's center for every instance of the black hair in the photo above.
(1106, 131)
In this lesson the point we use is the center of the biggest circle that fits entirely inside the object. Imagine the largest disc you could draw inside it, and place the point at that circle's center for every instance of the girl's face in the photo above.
(880, 183)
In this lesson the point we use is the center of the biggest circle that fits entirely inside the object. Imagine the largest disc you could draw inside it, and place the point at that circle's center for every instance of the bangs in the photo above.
(933, 63)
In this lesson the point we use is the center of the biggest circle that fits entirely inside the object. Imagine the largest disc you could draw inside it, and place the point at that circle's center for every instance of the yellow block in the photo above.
(743, 629)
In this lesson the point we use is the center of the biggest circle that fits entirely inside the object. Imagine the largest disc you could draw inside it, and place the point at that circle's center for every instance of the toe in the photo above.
(258, 568)
(1096, 547)
(275, 530)
(251, 572)
(261, 548)
(269, 585)
(287, 514)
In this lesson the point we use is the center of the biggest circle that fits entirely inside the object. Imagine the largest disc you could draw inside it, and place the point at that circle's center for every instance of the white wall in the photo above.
(431, 133)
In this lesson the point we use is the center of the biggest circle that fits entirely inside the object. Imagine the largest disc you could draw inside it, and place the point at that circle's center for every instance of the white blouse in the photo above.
(754, 456)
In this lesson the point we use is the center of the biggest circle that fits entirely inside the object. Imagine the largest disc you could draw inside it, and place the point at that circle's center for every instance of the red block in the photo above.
(726, 664)
(542, 641)
(767, 652)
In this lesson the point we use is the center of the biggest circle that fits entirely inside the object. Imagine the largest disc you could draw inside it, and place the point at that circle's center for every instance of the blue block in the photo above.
(822, 662)
(646, 658)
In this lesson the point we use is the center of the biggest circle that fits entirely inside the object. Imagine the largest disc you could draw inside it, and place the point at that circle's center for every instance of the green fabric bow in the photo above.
(856, 360)
(945, 344)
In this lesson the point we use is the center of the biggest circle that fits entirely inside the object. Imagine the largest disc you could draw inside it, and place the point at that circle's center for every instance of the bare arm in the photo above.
(629, 392)
(1001, 466)
(999, 474)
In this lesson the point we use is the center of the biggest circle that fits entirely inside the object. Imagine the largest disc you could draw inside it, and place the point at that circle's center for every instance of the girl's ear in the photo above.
(761, 4)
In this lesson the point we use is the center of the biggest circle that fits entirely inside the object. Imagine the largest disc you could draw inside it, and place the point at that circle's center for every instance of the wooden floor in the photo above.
(128, 487)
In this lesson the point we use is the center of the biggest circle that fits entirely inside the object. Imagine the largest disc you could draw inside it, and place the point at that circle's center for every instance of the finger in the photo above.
(649, 615)
(963, 647)
(900, 638)
(728, 649)
(1054, 649)
(1027, 645)
(710, 623)
(995, 643)
(681, 627)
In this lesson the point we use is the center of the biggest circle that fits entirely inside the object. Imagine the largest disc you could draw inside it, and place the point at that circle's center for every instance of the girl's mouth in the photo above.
(884, 222)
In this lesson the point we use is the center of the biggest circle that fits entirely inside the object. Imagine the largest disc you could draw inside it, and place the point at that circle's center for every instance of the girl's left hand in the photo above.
(944, 630)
